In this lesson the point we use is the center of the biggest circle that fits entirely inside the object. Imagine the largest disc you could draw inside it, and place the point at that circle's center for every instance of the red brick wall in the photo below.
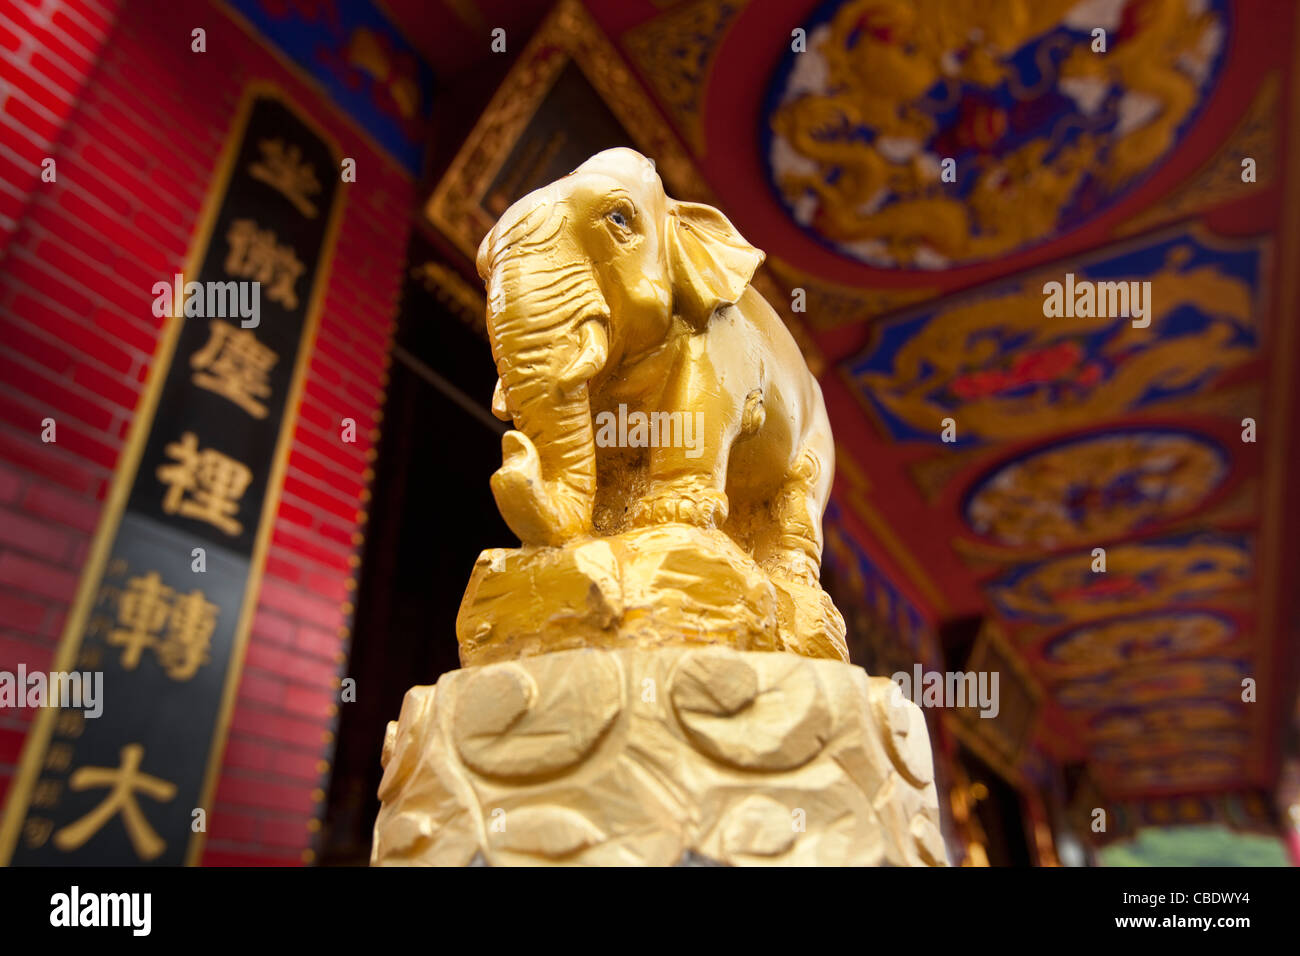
(47, 50)
(135, 146)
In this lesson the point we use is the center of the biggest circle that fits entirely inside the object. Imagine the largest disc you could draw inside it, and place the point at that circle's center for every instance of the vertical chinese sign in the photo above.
(168, 593)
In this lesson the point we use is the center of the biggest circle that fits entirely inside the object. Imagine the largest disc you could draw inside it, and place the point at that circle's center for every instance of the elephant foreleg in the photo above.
(798, 514)
(688, 480)
(810, 624)
(687, 475)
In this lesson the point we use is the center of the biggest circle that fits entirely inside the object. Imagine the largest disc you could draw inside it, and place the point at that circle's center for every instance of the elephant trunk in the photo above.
(547, 322)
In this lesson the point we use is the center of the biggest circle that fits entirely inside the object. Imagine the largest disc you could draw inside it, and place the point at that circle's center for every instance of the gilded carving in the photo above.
(551, 725)
(661, 408)
(779, 298)
(655, 676)
(888, 91)
(715, 755)
(675, 52)
(785, 706)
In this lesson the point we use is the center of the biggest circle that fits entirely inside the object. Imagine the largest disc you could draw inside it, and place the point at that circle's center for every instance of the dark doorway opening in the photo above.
(431, 513)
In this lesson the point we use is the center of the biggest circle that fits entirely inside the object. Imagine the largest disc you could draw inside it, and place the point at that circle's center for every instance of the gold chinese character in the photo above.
(283, 168)
(46, 793)
(214, 482)
(142, 612)
(254, 254)
(70, 723)
(123, 782)
(107, 594)
(235, 365)
(58, 757)
(89, 657)
(185, 647)
(178, 628)
(36, 830)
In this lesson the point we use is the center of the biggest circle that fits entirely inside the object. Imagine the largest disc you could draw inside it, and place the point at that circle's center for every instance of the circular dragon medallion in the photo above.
(1143, 576)
(1154, 682)
(1095, 488)
(1138, 639)
(1160, 748)
(1183, 717)
(1043, 128)
(1194, 766)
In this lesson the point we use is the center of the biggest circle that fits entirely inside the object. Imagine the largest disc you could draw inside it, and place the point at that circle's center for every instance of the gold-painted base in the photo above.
(658, 756)
(670, 584)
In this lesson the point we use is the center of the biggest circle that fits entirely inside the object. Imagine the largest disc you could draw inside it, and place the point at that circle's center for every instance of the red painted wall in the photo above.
(135, 122)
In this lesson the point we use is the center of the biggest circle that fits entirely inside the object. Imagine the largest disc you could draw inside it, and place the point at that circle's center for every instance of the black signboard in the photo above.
(168, 593)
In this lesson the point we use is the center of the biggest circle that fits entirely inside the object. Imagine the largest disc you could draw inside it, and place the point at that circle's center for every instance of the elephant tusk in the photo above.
(592, 354)
(499, 408)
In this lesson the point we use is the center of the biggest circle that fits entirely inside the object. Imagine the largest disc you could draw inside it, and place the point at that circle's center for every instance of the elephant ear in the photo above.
(709, 261)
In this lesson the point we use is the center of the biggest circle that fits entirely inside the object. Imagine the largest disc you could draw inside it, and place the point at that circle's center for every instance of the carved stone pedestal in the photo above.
(660, 756)
(670, 584)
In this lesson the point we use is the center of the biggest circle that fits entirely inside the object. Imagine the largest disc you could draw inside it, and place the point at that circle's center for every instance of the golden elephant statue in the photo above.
(608, 301)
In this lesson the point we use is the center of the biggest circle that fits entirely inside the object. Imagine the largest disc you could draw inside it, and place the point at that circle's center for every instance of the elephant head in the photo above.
(594, 267)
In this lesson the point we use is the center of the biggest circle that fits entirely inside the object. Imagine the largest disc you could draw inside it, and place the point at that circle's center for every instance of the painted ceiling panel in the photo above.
(1015, 95)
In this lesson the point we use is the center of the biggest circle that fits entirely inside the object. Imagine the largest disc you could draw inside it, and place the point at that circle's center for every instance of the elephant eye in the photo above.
(621, 216)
